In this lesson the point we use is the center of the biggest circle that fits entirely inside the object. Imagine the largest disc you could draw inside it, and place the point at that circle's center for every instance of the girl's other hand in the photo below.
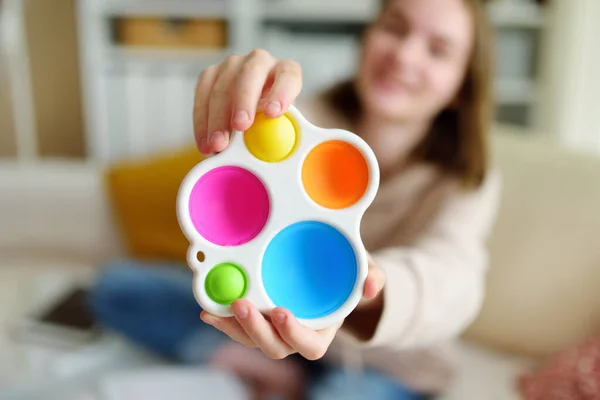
(229, 94)
(281, 334)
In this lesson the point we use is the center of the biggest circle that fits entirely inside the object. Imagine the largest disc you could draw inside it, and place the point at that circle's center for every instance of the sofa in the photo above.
(57, 225)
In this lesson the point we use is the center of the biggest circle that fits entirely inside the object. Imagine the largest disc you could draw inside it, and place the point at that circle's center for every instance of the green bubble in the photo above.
(225, 283)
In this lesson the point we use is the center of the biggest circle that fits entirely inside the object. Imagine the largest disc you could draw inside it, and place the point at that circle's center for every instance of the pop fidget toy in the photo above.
(275, 219)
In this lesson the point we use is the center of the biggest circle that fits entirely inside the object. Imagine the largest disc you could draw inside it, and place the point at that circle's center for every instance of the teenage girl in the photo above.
(421, 98)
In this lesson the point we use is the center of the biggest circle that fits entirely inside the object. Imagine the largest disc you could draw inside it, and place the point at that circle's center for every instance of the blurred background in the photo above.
(89, 84)
(84, 79)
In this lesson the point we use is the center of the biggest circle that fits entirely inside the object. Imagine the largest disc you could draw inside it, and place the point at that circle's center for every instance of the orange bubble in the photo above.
(335, 174)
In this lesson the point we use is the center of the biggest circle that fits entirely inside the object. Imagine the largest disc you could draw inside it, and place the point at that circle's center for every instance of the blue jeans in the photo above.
(154, 306)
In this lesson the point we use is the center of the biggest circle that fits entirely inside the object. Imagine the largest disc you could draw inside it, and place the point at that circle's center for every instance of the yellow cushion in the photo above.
(143, 194)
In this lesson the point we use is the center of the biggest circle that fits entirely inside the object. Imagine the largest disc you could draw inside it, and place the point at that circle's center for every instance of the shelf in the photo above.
(320, 34)
(507, 91)
(516, 13)
(158, 54)
(322, 11)
(118, 57)
(515, 92)
(502, 13)
(163, 8)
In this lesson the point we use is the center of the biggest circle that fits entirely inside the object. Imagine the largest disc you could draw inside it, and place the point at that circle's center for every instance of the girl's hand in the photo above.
(228, 95)
(280, 334)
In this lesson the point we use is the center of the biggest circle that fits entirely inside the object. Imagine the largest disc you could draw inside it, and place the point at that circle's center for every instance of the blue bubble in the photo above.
(309, 268)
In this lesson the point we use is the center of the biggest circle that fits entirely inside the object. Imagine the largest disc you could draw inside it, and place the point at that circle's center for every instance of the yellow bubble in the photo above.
(271, 139)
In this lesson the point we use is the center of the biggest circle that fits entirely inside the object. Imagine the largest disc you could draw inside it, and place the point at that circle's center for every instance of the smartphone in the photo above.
(66, 321)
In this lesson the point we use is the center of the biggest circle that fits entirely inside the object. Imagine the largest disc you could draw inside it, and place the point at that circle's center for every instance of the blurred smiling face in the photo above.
(414, 58)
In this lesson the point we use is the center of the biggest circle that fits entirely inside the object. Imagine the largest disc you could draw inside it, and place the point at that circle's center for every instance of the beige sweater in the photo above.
(430, 239)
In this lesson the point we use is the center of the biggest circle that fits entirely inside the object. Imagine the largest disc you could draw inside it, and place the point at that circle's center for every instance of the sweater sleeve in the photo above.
(435, 288)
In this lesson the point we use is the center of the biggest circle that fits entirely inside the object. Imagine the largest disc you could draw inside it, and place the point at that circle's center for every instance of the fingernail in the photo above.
(279, 317)
(242, 312)
(273, 107)
(205, 145)
(240, 117)
(217, 137)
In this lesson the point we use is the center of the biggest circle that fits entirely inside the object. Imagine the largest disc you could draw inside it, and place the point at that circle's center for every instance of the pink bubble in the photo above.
(229, 206)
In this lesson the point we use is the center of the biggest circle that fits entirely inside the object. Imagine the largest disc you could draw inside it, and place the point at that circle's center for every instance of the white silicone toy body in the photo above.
(289, 203)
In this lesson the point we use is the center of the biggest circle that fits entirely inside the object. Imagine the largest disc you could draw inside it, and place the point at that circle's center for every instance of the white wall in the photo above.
(16, 83)
(571, 89)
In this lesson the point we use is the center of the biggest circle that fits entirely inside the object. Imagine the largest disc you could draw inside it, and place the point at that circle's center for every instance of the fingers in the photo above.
(260, 330)
(229, 95)
(375, 281)
(200, 115)
(311, 344)
(287, 83)
(277, 339)
(219, 107)
(250, 83)
(230, 327)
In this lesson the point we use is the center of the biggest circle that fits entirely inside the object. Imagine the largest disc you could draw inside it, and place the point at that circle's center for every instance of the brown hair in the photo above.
(458, 138)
